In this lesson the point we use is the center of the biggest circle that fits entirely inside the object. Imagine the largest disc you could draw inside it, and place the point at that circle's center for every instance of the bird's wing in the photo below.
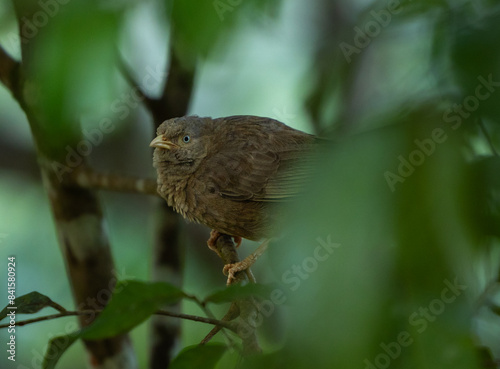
(293, 171)
(262, 166)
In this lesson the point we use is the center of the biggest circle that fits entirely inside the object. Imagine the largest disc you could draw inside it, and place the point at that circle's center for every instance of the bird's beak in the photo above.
(162, 143)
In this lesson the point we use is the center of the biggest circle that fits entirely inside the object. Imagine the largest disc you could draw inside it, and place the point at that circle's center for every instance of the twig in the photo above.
(92, 312)
(89, 178)
(195, 318)
(215, 330)
(177, 92)
(127, 74)
(49, 317)
(231, 314)
(8, 66)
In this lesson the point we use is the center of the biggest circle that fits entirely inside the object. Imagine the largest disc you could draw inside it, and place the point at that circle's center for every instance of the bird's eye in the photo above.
(186, 139)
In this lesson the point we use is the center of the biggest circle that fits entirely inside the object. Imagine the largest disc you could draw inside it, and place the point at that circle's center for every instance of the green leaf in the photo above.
(199, 356)
(475, 54)
(402, 245)
(234, 292)
(200, 24)
(77, 76)
(132, 303)
(31, 303)
(57, 346)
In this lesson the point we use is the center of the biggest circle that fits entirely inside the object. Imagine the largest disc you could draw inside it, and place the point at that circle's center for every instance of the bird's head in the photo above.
(182, 143)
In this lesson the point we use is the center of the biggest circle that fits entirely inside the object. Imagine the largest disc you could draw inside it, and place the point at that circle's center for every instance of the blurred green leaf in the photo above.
(198, 356)
(30, 303)
(132, 303)
(476, 58)
(433, 243)
(412, 9)
(199, 24)
(336, 254)
(56, 348)
(484, 206)
(72, 64)
(395, 252)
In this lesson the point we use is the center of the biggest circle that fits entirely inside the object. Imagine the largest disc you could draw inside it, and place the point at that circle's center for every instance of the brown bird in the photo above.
(230, 173)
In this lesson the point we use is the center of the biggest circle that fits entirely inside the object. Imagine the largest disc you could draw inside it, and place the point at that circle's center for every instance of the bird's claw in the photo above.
(214, 235)
(230, 270)
(212, 241)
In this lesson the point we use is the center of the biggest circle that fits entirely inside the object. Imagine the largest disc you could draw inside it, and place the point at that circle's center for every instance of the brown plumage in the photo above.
(229, 173)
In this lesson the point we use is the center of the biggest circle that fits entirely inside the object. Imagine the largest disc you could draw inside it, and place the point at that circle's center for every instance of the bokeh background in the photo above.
(408, 190)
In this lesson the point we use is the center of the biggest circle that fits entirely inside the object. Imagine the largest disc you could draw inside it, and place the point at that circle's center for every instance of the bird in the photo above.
(231, 174)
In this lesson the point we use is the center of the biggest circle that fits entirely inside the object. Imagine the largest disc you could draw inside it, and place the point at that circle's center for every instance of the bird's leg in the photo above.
(212, 241)
(231, 269)
(212, 245)
(245, 308)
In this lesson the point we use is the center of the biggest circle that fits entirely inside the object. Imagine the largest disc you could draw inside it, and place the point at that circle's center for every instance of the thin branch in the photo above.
(177, 92)
(8, 68)
(48, 317)
(226, 318)
(18, 159)
(92, 312)
(89, 178)
(127, 74)
(232, 313)
(196, 318)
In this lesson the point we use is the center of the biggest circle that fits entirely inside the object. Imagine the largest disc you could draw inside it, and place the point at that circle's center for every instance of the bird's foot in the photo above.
(214, 235)
(231, 269)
